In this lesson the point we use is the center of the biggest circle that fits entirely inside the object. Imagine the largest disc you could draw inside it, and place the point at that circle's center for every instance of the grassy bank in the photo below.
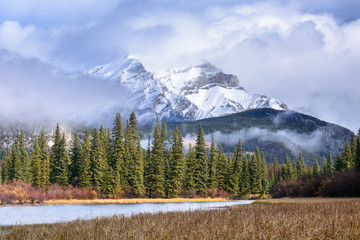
(277, 219)
(133, 200)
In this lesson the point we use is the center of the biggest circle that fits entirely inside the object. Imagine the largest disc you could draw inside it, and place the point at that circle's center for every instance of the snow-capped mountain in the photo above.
(185, 94)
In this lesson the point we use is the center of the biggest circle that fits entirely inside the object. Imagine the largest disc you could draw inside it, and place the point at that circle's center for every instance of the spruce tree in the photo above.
(235, 169)
(287, 170)
(76, 154)
(255, 170)
(177, 163)
(339, 164)
(212, 181)
(36, 165)
(190, 172)
(324, 166)
(276, 171)
(264, 174)
(357, 155)
(97, 168)
(15, 169)
(85, 178)
(118, 151)
(347, 157)
(25, 170)
(316, 169)
(155, 180)
(6, 167)
(244, 182)
(300, 166)
(221, 170)
(201, 171)
(45, 161)
(353, 146)
(138, 175)
(59, 160)
(330, 164)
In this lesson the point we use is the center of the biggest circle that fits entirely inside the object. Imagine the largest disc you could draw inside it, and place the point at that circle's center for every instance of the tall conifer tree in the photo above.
(25, 170)
(35, 165)
(212, 181)
(190, 172)
(221, 170)
(45, 161)
(177, 162)
(85, 180)
(201, 169)
(118, 151)
(76, 154)
(300, 166)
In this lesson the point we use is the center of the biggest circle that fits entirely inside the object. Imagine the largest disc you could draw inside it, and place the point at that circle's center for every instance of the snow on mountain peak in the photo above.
(182, 94)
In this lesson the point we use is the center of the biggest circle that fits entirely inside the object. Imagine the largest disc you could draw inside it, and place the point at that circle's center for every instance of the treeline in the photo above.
(339, 179)
(113, 163)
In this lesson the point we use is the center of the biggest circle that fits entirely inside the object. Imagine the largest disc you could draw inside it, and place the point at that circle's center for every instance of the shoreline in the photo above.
(116, 201)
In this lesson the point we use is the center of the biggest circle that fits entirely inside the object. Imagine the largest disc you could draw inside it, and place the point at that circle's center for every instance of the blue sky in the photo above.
(306, 53)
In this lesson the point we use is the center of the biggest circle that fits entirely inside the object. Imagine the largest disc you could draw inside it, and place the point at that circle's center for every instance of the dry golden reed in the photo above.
(280, 219)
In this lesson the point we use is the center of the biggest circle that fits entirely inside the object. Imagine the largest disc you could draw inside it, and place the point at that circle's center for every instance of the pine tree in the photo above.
(25, 169)
(212, 181)
(300, 166)
(201, 171)
(76, 152)
(176, 165)
(357, 155)
(316, 169)
(45, 161)
(190, 172)
(118, 151)
(235, 169)
(97, 168)
(221, 170)
(330, 164)
(35, 165)
(85, 177)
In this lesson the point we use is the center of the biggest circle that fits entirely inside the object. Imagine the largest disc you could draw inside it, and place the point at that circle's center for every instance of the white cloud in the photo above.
(304, 53)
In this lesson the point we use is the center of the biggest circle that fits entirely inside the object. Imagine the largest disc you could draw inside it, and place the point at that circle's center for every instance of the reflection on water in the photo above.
(18, 215)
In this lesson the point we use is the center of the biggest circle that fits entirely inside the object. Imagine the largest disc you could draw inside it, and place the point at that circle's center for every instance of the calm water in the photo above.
(18, 215)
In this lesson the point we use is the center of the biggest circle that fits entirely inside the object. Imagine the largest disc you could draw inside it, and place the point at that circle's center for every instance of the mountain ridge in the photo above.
(184, 94)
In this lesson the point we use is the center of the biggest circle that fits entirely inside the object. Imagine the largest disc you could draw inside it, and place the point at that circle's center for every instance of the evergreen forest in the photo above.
(113, 163)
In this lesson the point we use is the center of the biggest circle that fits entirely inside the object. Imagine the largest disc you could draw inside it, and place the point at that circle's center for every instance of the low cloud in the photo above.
(295, 142)
(33, 91)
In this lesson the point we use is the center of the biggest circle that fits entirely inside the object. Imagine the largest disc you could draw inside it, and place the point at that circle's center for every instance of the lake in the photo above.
(22, 215)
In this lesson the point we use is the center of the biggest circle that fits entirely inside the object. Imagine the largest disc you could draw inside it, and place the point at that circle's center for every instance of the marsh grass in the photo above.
(303, 219)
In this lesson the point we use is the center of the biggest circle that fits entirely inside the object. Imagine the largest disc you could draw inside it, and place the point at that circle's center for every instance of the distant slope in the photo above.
(275, 132)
